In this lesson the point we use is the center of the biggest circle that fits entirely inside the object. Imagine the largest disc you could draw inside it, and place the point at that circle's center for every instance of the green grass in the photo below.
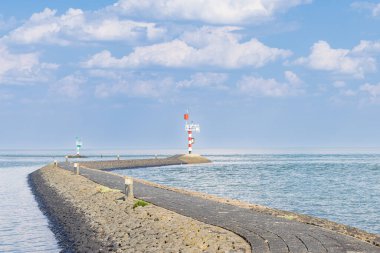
(288, 217)
(140, 203)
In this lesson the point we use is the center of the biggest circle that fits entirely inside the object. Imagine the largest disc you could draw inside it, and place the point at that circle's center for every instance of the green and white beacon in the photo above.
(79, 145)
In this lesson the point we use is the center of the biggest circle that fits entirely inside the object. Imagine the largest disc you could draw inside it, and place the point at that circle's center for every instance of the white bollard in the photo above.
(55, 163)
(118, 157)
(128, 190)
(76, 168)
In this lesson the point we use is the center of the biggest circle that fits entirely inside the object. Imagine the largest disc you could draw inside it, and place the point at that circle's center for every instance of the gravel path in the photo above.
(88, 217)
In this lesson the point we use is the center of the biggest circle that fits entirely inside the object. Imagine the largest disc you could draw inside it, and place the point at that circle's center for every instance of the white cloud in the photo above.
(112, 83)
(136, 88)
(220, 48)
(152, 85)
(374, 8)
(40, 27)
(348, 93)
(20, 62)
(115, 29)
(69, 86)
(209, 11)
(366, 47)
(292, 78)
(372, 90)
(22, 67)
(339, 84)
(106, 74)
(341, 61)
(260, 87)
(209, 35)
(76, 25)
(202, 80)
(4, 96)
(45, 14)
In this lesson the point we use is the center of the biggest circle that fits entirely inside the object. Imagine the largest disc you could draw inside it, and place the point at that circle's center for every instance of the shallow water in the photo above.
(23, 227)
(341, 188)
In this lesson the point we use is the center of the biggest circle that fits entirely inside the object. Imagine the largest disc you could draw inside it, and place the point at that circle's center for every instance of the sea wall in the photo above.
(87, 217)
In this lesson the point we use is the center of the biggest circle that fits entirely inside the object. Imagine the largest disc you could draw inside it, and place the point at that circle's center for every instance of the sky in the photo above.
(253, 73)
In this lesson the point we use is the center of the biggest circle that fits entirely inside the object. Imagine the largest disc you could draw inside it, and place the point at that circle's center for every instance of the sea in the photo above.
(340, 186)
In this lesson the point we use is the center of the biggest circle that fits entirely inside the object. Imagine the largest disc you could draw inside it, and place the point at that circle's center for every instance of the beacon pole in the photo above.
(190, 128)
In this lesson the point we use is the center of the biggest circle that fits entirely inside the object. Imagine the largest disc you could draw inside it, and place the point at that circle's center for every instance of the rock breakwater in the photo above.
(97, 219)
(145, 163)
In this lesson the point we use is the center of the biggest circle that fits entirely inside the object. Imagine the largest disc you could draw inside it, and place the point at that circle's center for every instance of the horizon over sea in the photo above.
(341, 185)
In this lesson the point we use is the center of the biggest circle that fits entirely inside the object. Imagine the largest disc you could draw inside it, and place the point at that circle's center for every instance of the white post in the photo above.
(128, 190)
(55, 163)
(118, 157)
(67, 159)
(76, 168)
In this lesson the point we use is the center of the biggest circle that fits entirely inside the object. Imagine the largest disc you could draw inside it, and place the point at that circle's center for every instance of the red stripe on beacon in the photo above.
(190, 128)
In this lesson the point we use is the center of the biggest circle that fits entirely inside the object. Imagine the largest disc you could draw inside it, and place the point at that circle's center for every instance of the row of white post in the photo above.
(67, 158)
(128, 182)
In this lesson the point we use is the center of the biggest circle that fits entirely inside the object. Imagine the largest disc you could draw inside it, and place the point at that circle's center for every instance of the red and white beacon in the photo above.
(190, 128)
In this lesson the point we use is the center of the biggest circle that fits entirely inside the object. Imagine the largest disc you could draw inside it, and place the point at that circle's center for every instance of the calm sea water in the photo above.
(23, 228)
(341, 188)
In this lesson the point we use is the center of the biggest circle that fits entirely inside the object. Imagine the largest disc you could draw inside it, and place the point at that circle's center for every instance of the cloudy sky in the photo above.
(253, 73)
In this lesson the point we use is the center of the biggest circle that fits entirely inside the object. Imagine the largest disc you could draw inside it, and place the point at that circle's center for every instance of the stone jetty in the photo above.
(143, 163)
(263, 229)
(88, 217)
(76, 156)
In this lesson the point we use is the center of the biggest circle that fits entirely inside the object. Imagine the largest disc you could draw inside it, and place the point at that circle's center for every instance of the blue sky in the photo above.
(254, 74)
